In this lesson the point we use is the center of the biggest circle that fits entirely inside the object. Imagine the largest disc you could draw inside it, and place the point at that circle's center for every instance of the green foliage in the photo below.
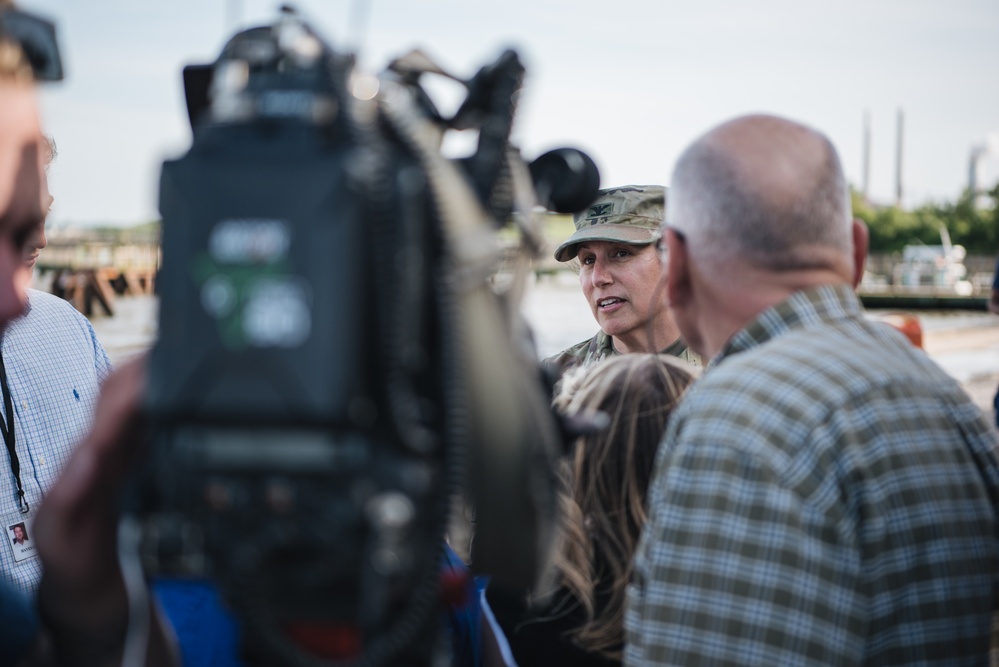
(977, 229)
(557, 228)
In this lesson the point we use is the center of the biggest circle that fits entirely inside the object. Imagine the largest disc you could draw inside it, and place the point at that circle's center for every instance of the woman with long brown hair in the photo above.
(604, 478)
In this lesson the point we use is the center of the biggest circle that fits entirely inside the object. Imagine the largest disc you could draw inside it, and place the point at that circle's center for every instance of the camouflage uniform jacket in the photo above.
(601, 347)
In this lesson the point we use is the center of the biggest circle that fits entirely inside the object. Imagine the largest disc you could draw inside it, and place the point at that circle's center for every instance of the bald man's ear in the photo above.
(861, 237)
(677, 269)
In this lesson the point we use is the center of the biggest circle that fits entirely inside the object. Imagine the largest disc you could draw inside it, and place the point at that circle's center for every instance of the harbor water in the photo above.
(965, 344)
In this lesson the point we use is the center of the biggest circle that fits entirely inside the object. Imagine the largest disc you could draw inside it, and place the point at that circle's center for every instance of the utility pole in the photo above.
(866, 187)
(898, 160)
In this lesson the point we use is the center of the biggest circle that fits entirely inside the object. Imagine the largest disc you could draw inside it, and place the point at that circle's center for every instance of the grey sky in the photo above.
(630, 81)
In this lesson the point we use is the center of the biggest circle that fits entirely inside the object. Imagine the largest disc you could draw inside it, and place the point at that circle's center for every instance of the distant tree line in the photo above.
(147, 233)
(976, 228)
(891, 228)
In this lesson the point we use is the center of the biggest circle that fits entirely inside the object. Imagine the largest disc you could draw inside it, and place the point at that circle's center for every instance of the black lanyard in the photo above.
(7, 426)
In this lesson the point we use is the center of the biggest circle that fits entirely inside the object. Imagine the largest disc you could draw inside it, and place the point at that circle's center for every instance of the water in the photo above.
(953, 319)
(559, 315)
(965, 344)
(131, 331)
(555, 308)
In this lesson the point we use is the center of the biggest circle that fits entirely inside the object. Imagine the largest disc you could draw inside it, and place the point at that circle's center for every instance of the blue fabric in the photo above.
(995, 401)
(209, 636)
(18, 623)
(464, 622)
(55, 366)
(995, 407)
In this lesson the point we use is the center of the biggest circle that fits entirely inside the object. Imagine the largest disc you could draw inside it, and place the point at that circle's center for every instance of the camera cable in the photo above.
(137, 633)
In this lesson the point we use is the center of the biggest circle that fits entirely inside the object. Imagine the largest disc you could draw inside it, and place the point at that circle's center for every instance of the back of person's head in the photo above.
(606, 478)
(765, 190)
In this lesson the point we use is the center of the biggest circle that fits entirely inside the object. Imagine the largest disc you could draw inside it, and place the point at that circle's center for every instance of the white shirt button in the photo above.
(24, 405)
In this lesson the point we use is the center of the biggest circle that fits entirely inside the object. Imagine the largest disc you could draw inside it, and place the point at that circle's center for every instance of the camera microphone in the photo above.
(566, 180)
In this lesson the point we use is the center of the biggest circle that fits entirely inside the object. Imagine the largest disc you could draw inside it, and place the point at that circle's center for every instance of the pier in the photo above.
(927, 283)
(90, 268)
(922, 299)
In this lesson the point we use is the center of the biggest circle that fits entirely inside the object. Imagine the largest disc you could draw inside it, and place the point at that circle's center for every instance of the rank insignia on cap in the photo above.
(599, 210)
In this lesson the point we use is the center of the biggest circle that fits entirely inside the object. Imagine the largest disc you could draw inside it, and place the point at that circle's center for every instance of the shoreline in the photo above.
(982, 390)
(965, 353)
(967, 347)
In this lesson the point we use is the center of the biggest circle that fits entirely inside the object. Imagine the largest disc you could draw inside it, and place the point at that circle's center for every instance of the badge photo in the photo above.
(20, 536)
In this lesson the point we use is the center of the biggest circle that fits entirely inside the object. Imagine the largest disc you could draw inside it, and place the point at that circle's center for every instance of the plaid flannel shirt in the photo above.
(825, 495)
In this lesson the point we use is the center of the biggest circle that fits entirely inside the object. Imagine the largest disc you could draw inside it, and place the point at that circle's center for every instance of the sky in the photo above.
(631, 82)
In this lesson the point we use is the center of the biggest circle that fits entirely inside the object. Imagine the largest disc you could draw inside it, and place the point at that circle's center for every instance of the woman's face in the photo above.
(620, 282)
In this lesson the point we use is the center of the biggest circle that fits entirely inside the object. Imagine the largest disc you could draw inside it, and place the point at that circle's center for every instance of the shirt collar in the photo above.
(801, 310)
(677, 348)
(27, 309)
(605, 343)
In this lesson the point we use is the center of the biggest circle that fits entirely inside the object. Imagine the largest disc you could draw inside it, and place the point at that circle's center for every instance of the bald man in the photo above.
(825, 494)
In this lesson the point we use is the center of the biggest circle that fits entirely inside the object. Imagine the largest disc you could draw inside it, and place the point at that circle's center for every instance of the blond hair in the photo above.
(604, 484)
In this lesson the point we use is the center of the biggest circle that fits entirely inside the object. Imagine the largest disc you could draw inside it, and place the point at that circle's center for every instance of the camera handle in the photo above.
(513, 433)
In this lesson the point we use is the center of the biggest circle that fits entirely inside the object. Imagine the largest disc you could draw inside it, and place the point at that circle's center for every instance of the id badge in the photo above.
(19, 532)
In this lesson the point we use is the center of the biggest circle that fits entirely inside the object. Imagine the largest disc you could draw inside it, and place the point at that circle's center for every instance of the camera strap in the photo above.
(7, 427)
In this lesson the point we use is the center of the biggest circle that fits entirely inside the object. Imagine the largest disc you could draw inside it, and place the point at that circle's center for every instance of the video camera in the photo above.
(334, 364)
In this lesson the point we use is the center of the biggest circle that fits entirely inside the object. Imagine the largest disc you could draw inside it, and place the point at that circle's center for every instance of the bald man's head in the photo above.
(767, 191)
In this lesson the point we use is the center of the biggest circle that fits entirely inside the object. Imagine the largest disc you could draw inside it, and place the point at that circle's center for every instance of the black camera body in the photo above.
(276, 467)
(318, 391)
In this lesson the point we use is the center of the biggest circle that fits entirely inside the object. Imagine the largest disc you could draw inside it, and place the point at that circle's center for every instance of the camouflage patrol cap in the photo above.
(628, 214)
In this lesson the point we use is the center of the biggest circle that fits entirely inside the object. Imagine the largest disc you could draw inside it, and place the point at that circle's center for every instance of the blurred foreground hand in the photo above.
(82, 597)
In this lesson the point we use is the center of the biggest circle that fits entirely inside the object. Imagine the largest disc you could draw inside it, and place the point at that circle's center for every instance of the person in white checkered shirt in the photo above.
(53, 366)
(80, 603)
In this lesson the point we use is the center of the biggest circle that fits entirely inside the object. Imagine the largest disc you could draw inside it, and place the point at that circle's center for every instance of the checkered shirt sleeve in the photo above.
(828, 497)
